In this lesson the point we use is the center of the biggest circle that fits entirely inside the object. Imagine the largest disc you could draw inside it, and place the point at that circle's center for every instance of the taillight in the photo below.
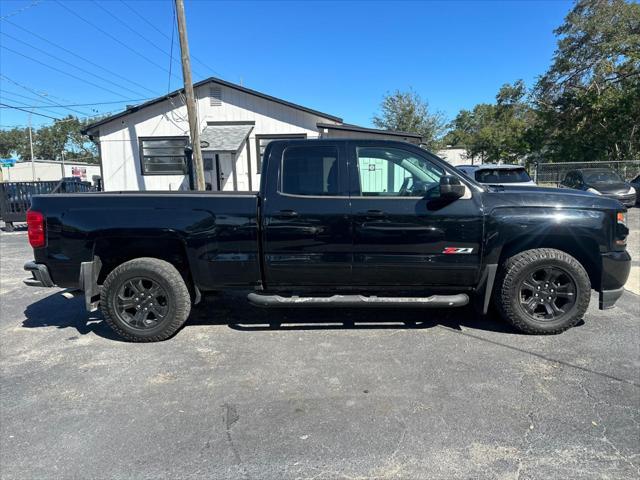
(35, 228)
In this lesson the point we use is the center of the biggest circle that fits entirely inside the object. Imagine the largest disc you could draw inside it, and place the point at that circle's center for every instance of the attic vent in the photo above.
(215, 96)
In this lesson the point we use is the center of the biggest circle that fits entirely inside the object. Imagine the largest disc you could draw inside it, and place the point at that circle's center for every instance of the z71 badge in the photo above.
(454, 250)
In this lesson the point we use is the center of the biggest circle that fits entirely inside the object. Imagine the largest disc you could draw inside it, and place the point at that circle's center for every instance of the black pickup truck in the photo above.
(336, 223)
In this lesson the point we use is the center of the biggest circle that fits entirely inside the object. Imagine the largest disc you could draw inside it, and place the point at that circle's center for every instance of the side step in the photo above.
(434, 301)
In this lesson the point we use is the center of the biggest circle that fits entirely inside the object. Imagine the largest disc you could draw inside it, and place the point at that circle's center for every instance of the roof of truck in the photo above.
(487, 166)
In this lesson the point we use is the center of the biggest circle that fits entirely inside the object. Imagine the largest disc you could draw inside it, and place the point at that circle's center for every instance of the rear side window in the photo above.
(498, 175)
(310, 170)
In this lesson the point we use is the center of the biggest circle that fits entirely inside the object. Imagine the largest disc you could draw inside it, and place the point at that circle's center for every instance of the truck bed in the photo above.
(215, 233)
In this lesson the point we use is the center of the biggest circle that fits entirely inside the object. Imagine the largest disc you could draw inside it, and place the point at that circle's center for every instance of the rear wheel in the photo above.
(145, 300)
(543, 291)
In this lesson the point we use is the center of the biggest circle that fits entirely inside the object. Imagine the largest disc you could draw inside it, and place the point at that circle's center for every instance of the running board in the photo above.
(434, 301)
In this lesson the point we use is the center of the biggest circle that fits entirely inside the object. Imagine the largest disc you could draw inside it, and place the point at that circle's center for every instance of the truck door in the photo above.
(307, 240)
(401, 237)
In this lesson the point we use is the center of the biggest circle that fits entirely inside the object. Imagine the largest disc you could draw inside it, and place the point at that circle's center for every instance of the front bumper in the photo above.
(39, 275)
(615, 272)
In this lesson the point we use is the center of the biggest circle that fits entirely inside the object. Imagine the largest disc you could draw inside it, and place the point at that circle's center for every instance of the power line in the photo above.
(144, 19)
(83, 58)
(91, 104)
(45, 95)
(4, 92)
(25, 110)
(26, 105)
(62, 71)
(52, 103)
(115, 39)
(20, 10)
(68, 63)
(131, 29)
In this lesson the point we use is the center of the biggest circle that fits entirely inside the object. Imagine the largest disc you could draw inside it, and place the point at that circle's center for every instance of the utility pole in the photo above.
(33, 161)
(191, 101)
(62, 163)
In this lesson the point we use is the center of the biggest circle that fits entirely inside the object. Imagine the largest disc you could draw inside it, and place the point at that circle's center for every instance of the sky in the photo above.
(337, 57)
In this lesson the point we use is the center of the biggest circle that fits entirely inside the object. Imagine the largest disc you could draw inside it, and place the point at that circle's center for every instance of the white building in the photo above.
(49, 170)
(142, 148)
(456, 156)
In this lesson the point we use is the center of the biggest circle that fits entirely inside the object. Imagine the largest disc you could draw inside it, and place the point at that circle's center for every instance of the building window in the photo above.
(163, 156)
(310, 170)
(263, 140)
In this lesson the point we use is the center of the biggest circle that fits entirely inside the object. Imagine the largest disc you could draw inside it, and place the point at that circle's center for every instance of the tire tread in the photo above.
(508, 276)
(178, 287)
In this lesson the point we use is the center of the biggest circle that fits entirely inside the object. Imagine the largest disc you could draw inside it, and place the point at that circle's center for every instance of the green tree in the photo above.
(408, 112)
(496, 132)
(14, 143)
(50, 141)
(588, 102)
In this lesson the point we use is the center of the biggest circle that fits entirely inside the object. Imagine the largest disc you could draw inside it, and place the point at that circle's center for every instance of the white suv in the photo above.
(490, 174)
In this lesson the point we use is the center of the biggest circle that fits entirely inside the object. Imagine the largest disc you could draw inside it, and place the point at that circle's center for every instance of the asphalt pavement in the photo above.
(245, 393)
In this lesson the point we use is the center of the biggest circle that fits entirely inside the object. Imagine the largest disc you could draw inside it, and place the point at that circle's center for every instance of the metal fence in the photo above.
(546, 174)
(15, 197)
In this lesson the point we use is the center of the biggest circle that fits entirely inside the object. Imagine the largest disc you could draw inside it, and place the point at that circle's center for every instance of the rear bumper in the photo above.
(615, 272)
(39, 275)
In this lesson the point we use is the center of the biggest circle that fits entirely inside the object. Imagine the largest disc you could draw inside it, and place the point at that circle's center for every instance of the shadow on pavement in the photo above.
(60, 312)
(235, 311)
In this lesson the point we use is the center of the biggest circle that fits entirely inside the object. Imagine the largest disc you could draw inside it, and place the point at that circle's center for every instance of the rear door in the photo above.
(402, 238)
(307, 238)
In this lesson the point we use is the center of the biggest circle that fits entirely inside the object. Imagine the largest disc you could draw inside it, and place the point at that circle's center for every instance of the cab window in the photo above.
(394, 172)
(310, 170)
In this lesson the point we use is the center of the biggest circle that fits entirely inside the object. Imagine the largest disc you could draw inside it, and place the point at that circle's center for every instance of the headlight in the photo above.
(593, 190)
(621, 231)
(621, 217)
(631, 191)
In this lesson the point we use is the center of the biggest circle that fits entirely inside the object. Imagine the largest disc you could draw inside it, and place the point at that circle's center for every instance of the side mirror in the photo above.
(451, 188)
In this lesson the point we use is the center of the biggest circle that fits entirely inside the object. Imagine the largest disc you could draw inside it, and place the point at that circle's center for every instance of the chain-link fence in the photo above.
(550, 174)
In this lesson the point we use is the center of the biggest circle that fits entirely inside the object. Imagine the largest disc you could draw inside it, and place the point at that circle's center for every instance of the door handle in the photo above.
(286, 214)
(373, 213)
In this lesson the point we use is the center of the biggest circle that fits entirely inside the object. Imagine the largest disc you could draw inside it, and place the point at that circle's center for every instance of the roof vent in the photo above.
(215, 96)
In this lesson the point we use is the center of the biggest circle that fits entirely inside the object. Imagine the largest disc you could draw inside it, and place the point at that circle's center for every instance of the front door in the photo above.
(402, 237)
(211, 168)
(306, 218)
(219, 171)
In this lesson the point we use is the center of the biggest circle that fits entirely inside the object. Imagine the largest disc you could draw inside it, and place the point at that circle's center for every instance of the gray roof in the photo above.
(89, 128)
(224, 138)
(356, 128)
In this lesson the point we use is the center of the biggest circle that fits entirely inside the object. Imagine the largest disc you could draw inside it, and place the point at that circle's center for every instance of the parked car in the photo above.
(601, 181)
(489, 174)
(635, 183)
(336, 223)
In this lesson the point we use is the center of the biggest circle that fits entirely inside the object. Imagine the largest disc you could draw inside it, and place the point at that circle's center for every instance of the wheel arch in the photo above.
(116, 251)
(583, 249)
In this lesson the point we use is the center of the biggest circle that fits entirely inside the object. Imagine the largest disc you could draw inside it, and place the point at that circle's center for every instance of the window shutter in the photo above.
(215, 96)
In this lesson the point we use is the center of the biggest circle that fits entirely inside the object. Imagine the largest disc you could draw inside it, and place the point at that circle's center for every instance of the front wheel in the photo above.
(543, 291)
(145, 300)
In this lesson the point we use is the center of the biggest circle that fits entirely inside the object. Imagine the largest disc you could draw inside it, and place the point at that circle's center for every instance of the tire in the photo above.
(145, 300)
(526, 298)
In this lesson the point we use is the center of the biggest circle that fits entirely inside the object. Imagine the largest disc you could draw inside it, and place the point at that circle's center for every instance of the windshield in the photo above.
(502, 175)
(600, 176)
